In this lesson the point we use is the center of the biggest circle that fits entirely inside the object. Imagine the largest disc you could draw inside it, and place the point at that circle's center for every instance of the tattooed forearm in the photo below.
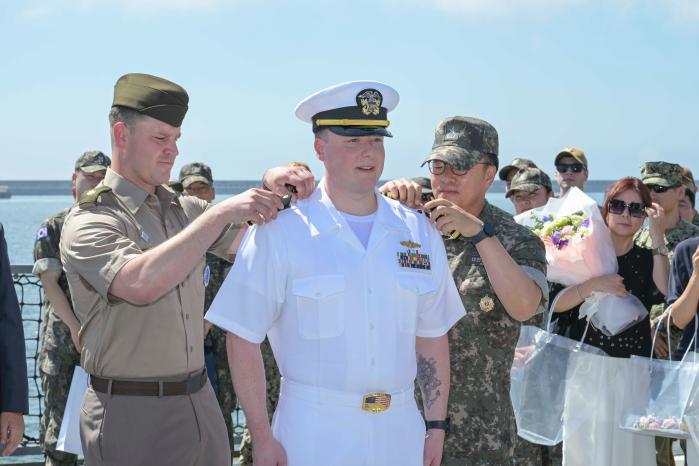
(427, 379)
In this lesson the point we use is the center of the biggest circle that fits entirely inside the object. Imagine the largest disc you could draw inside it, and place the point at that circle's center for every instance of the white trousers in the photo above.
(319, 427)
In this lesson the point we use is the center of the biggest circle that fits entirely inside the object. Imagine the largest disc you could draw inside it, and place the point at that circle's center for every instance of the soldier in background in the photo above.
(197, 180)
(664, 180)
(508, 172)
(571, 169)
(530, 188)
(463, 163)
(59, 350)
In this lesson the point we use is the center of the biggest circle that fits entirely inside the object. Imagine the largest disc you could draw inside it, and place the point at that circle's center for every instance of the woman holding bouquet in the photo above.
(595, 437)
(642, 272)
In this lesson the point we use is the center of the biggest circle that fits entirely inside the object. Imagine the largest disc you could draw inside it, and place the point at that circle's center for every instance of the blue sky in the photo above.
(617, 78)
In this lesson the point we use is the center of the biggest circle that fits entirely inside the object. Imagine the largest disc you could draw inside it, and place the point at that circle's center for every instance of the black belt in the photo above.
(192, 384)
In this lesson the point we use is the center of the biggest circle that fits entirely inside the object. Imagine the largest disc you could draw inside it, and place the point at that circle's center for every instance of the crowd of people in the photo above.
(326, 312)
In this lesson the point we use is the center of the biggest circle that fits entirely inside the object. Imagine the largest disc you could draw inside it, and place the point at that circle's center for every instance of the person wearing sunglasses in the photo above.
(643, 273)
(571, 169)
(664, 180)
(530, 188)
(508, 172)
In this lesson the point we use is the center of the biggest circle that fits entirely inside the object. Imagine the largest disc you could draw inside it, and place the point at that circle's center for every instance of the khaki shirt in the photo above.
(120, 339)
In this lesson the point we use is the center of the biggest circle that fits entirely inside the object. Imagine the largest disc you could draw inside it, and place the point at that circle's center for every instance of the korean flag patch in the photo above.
(42, 233)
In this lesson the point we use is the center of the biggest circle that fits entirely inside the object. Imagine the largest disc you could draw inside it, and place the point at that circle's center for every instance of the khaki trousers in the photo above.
(186, 430)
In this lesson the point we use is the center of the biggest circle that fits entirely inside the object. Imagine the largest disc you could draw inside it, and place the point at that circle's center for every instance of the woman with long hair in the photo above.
(642, 272)
(597, 438)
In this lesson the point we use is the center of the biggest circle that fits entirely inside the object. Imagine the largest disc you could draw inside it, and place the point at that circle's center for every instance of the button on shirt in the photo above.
(339, 315)
(120, 339)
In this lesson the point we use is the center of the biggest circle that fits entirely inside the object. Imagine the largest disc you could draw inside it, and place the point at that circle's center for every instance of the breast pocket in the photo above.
(414, 291)
(320, 302)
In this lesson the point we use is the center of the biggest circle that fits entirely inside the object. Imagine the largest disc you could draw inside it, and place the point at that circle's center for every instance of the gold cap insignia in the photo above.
(410, 244)
(370, 101)
(487, 304)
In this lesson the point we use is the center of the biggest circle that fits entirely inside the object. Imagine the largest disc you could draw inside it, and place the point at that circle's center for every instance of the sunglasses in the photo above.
(636, 209)
(574, 167)
(656, 188)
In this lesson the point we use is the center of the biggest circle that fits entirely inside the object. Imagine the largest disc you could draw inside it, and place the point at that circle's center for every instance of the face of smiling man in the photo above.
(353, 164)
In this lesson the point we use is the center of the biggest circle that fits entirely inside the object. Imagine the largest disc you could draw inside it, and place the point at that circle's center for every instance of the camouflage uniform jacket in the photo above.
(674, 236)
(482, 345)
(695, 220)
(213, 279)
(56, 350)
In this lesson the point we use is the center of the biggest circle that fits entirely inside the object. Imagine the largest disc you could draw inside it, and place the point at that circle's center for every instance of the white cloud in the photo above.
(687, 9)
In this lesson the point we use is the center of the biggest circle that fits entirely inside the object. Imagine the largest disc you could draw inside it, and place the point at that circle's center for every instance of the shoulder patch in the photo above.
(42, 233)
(91, 196)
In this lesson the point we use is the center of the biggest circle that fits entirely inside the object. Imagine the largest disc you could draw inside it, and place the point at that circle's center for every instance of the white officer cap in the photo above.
(354, 108)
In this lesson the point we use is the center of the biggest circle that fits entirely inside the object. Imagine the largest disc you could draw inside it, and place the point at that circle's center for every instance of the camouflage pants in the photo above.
(273, 384)
(224, 385)
(55, 388)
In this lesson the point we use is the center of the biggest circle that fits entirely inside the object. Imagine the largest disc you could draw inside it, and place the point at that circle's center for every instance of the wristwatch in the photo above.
(662, 250)
(445, 425)
(486, 232)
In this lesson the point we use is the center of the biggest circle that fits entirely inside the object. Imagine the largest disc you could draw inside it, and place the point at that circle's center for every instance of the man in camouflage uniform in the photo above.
(491, 257)
(58, 350)
(529, 188)
(197, 180)
(664, 180)
(508, 172)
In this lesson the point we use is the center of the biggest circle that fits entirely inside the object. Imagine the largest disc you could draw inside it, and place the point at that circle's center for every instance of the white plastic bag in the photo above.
(69, 435)
(612, 314)
(538, 379)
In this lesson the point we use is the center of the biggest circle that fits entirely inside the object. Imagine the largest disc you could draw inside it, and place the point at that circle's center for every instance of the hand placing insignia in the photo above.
(451, 218)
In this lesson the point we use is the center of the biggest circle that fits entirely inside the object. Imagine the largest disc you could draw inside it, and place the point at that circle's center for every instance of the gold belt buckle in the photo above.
(376, 402)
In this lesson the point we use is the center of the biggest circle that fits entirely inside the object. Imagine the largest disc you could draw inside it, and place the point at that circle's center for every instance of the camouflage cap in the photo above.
(688, 179)
(92, 161)
(152, 96)
(175, 185)
(661, 173)
(529, 180)
(462, 142)
(516, 164)
(425, 184)
(196, 171)
(574, 152)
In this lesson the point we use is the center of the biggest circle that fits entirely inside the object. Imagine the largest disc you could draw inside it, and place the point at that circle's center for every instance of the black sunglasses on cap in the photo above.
(636, 209)
(574, 167)
(656, 188)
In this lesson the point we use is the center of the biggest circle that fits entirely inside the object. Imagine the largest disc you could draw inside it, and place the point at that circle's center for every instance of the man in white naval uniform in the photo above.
(356, 297)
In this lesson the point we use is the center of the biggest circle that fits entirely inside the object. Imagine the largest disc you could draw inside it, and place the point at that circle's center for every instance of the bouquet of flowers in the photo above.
(578, 244)
(579, 247)
(559, 231)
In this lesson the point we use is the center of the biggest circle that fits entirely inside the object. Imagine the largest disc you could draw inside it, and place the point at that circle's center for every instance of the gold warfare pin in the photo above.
(410, 244)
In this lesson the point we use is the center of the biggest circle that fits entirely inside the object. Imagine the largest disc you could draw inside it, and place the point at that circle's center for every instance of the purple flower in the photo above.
(586, 223)
(563, 243)
(546, 219)
(556, 237)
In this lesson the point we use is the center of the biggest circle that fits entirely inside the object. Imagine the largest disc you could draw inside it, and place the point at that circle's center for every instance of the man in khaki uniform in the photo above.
(133, 253)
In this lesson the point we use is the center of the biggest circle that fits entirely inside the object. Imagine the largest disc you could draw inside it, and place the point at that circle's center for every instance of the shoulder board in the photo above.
(91, 196)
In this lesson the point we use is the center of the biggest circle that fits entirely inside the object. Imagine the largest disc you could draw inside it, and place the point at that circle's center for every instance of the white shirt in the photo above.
(337, 315)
